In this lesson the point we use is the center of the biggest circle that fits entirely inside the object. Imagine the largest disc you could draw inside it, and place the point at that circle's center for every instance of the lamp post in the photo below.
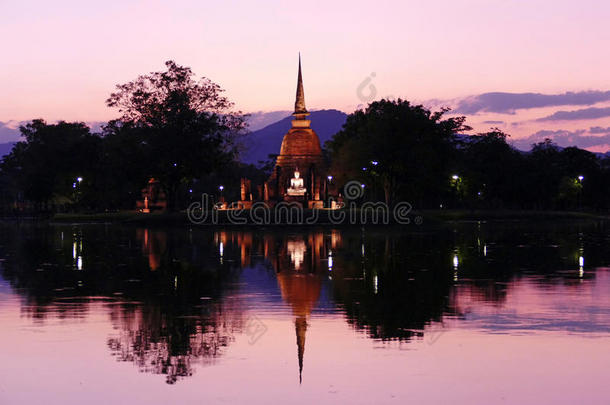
(329, 179)
(221, 187)
(455, 182)
(77, 189)
(580, 179)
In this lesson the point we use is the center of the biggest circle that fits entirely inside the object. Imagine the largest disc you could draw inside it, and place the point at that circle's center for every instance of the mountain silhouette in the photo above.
(258, 145)
(5, 148)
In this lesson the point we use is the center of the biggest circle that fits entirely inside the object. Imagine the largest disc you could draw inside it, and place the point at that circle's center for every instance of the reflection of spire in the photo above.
(300, 325)
(299, 104)
(301, 292)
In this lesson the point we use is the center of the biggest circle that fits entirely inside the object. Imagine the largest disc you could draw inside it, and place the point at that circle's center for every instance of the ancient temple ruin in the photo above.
(299, 174)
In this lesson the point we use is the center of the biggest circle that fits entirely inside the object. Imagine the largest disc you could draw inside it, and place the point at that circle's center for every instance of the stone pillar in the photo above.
(242, 189)
(279, 192)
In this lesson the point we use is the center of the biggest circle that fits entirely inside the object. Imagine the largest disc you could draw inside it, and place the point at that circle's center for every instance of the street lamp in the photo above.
(330, 179)
(79, 179)
(581, 178)
(221, 187)
(374, 163)
(455, 177)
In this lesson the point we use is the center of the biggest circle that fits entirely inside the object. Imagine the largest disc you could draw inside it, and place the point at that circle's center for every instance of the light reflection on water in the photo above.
(301, 315)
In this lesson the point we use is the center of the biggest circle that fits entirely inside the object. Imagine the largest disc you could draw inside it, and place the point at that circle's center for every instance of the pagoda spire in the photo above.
(299, 104)
(301, 328)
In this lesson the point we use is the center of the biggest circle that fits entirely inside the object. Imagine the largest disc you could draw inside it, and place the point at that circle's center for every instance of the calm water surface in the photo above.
(471, 313)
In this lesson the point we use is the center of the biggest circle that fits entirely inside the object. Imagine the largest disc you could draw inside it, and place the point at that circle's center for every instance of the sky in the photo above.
(510, 64)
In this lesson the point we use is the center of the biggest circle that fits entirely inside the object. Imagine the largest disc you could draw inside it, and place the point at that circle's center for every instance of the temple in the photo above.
(299, 174)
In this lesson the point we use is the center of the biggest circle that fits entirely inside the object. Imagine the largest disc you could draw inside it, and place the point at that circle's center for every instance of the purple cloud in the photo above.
(599, 130)
(564, 138)
(508, 103)
(9, 131)
(582, 114)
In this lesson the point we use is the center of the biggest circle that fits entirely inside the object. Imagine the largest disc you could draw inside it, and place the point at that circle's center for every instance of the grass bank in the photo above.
(323, 217)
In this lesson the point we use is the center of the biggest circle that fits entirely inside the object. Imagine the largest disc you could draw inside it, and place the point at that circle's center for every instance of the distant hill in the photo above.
(258, 120)
(259, 144)
(5, 148)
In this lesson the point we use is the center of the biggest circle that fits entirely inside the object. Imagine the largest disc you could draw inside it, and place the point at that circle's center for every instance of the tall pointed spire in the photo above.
(299, 104)
(301, 328)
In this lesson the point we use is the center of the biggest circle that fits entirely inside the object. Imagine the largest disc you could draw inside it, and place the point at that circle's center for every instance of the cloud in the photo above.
(582, 114)
(493, 122)
(508, 103)
(261, 119)
(564, 138)
(599, 130)
(9, 131)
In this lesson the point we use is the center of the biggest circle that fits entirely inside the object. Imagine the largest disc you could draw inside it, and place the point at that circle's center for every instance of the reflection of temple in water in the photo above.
(174, 299)
(154, 245)
(300, 261)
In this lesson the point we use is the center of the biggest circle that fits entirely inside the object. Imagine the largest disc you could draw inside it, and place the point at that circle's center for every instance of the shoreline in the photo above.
(321, 217)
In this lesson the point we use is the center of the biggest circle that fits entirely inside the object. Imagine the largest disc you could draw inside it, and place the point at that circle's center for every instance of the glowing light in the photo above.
(581, 178)
(363, 185)
(581, 261)
(375, 284)
(374, 163)
(79, 263)
(456, 261)
(484, 250)
(364, 169)
(79, 179)
(221, 187)
(330, 178)
(296, 250)
(74, 250)
(221, 249)
(362, 250)
(330, 263)
(455, 177)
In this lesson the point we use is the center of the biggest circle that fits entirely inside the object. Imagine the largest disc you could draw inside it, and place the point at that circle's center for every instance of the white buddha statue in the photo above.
(296, 185)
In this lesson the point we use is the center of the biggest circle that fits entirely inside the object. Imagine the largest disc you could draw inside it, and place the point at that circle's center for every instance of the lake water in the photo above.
(466, 313)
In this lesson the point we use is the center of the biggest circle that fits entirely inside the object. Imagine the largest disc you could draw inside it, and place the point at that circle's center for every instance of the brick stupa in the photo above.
(300, 152)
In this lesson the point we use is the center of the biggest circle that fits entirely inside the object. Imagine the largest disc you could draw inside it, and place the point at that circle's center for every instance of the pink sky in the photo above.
(61, 59)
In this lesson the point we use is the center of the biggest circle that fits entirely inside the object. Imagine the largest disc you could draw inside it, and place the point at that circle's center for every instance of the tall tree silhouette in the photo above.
(47, 163)
(402, 148)
(188, 126)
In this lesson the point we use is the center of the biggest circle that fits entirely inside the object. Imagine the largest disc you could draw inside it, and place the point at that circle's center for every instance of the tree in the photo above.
(47, 164)
(188, 127)
(491, 168)
(398, 147)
